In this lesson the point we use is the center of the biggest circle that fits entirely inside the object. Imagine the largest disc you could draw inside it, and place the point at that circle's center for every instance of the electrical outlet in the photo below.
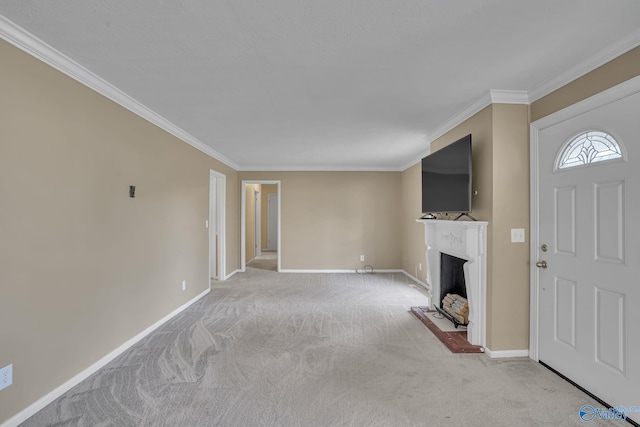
(361, 257)
(6, 376)
(420, 267)
(184, 285)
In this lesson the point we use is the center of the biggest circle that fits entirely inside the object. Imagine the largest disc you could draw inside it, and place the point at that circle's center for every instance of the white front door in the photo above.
(589, 292)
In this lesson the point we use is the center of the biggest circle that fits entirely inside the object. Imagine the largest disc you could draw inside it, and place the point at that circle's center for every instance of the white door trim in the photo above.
(257, 221)
(243, 219)
(628, 88)
(220, 182)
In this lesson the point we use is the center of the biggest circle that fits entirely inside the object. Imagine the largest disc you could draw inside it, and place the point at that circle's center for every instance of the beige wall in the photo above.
(81, 262)
(616, 71)
(508, 295)
(413, 247)
(500, 176)
(329, 219)
(264, 213)
(83, 267)
(480, 126)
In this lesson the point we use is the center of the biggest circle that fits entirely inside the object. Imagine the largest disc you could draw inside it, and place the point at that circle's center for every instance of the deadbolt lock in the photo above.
(544, 247)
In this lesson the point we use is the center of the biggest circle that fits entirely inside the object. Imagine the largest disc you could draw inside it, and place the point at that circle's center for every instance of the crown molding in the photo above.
(509, 96)
(493, 96)
(35, 47)
(464, 114)
(599, 59)
(313, 168)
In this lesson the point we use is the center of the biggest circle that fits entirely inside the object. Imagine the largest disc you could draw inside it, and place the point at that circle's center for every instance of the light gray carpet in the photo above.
(266, 261)
(269, 349)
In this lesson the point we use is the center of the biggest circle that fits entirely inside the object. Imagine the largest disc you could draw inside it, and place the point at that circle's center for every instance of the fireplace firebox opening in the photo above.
(452, 276)
(453, 291)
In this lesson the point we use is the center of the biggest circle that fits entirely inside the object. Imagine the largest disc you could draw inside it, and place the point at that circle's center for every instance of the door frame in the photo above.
(217, 205)
(622, 90)
(243, 219)
(257, 224)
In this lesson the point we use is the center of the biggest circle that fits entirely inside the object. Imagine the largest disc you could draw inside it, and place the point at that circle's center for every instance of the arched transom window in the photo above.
(589, 147)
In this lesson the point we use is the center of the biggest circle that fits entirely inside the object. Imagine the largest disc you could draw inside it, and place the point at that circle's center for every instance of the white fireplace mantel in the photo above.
(466, 240)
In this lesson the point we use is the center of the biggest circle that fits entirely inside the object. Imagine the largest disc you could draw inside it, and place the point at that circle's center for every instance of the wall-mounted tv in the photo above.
(447, 179)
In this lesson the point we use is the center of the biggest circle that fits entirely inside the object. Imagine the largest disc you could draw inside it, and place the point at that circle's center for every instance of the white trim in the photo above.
(341, 271)
(599, 59)
(493, 96)
(628, 88)
(464, 114)
(35, 47)
(501, 354)
(466, 240)
(233, 273)
(509, 96)
(243, 219)
(598, 100)
(312, 168)
(534, 239)
(36, 406)
(418, 281)
(303, 271)
(415, 162)
(221, 226)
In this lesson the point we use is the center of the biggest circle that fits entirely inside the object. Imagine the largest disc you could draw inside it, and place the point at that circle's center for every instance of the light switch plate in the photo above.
(517, 235)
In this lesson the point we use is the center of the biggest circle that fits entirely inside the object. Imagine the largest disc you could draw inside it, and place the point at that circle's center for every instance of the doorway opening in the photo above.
(260, 224)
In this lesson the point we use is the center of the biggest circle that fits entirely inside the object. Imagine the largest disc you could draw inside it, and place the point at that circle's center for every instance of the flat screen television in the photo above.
(447, 179)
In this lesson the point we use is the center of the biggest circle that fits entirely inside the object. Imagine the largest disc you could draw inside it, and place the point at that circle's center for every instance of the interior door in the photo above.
(272, 218)
(257, 246)
(213, 227)
(589, 279)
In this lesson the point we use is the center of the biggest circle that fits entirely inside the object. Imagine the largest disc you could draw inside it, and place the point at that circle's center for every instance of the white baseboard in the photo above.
(338, 271)
(233, 273)
(499, 354)
(36, 406)
(415, 279)
(296, 271)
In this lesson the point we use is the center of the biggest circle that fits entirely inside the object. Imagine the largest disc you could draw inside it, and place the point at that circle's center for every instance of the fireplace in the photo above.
(466, 241)
(451, 277)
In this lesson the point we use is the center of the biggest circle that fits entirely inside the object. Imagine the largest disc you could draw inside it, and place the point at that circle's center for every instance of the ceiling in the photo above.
(325, 85)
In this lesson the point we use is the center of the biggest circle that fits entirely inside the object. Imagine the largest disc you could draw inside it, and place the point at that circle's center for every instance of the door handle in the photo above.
(541, 264)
